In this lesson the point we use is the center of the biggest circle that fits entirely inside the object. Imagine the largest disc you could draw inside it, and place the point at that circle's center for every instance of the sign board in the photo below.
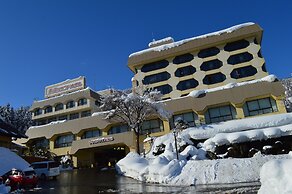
(101, 140)
(65, 87)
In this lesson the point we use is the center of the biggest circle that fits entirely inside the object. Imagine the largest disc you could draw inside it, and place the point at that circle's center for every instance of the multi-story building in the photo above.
(67, 122)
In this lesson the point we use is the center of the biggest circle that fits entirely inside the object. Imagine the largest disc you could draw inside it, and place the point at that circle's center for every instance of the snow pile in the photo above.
(246, 136)
(276, 177)
(192, 168)
(197, 93)
(9, 160)
(178, 43)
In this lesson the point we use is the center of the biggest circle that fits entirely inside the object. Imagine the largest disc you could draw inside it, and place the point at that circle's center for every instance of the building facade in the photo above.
(226, 68)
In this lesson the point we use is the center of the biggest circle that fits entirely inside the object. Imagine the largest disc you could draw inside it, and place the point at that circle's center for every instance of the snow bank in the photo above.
(197, 93)
(246, 136)
(276, 177)
(178, 43)
(9, 160)
(194, 172)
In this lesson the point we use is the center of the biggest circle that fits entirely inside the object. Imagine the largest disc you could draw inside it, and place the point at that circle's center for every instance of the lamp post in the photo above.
(175, 141)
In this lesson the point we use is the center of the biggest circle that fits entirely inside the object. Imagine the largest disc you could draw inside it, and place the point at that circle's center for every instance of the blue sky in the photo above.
(43, 42)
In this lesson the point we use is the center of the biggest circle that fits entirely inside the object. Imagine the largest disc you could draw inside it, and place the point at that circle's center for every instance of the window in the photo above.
(183, 58)
(63, 117)
(53, 119)
(41, 143)
(239, 58)
(154, 66)
(48, 109)
(210, 65)
(187, 84)
(218, 114)
(184, 71)
(118, 129)
(164, 89)
(236, 45)
(91, 133)
(243, 72)
(214, 78)
(152, 126)
(37, 112)
(189, 117)
(59, 106)
(150, 79)
(260, 54)
(264, 68)
(86, 113)
(70, 104)
(208, 52)
(74, 116)
(82, 101)
(64, 141)
(260, 106)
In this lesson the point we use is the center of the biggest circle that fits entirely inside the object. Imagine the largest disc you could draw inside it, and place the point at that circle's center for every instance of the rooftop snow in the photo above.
(161, 41)
(197, 93)
(178, 43)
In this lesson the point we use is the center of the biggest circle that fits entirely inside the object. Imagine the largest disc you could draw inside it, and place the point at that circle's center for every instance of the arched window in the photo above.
(91, 133)
(59, 106)
(152, 126)
(48, 109)
(243, 72)
(64, 141)
(210, 65)
(70, 104)
(214, 78)
(37, 112)
(239, 58)
(82, 101)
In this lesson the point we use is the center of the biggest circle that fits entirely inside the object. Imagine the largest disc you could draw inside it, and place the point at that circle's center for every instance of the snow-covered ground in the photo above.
(9, 160)
(193, 168)
(276, 177)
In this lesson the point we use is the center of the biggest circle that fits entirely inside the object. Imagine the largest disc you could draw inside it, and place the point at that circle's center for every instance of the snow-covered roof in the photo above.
(161, 41)
(178, 43)
(197, 93)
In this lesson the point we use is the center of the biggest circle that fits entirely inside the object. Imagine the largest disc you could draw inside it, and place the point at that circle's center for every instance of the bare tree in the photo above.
(134, 108)
(288, 92)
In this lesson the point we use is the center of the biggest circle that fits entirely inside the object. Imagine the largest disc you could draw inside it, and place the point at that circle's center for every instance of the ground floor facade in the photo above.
(95, 142)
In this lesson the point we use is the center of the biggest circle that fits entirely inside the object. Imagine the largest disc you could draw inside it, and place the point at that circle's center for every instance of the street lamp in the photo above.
(175, 141)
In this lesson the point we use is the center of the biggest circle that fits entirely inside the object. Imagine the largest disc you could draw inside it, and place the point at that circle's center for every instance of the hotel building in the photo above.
(67, 121)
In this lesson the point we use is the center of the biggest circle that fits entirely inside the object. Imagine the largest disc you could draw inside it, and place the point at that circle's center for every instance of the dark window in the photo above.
(260, 106)
(154, 66)
(152, 126)
(243, 72)
(86, 113)
(82, 101)
(74, 116)
(48, 109)
(40, 165)
(210, 65)
(63, 117)
(218, 114)
(52, 119)
(37, 111)
(208, 52)
(64, 141)
(91, 133)
(214, 78)
(150, 79)
(164, 89)
(53, 165)
(41, 143)
(70, 104)
(239, 58)
(187, 84)
(236, 45)
(118, 129)
(260, 54)
(189, 117)
(183, 58)
(59, 106)
(184, 71)
(264, 68)
(255, 41)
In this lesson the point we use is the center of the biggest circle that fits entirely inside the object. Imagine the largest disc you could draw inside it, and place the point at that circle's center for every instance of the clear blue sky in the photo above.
(43, 42)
